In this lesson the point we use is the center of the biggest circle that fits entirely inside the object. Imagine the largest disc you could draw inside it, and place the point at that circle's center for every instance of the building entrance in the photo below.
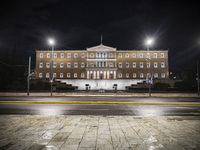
(101, 76)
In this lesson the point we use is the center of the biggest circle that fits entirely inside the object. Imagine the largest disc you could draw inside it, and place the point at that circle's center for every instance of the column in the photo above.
(114, 74)
(108, 75)
(104, 75)
(88, 74)
(95, 75)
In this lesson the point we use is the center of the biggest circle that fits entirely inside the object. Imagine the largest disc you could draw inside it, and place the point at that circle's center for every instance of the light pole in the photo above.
(198, 77)
(149, 42)
(51, 42)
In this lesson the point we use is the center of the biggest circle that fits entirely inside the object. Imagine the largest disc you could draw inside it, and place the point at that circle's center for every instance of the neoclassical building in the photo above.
(103, 67)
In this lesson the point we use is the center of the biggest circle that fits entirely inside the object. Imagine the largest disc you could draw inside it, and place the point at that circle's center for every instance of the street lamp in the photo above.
(52, 43)
(148, 43)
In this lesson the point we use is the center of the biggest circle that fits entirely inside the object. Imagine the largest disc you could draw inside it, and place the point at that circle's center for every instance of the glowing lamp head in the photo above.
(51, 41)
(149, 41)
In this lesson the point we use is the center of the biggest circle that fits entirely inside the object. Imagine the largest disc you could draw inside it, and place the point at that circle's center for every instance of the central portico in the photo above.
(98, 60)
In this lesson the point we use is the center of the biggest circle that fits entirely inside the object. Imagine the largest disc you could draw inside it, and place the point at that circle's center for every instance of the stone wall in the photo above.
(98, 84)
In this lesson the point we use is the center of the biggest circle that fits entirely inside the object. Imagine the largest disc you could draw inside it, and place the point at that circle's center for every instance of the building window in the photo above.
(47, 75)
(91, 55)
(155, 65)
(75, 55)
(105, 64)
(141, 55)
(82, 65)
(134, 55)
(120, 55)
(155, 55)
(82, 55)
(120, 65)
(41, 65)
(54, 75)
(148, 55)
(54, 65)
(155, 75)
(91, 64)
(111, 65)
(75, 75)
(148, 64)
(55, 55)
(82, 75)
(101, 64)
(40, 75)
(134, 64)
(134, 75)
(127, 55)
(47, 65)
(162, 55)
(111, 55)
(127, 65)
(61, 75)
(61, 65)
(141, 75)
(41, 55)
(105, 56)
(62, 55)
(162, 65)
(97, 55)
(48, 55)
(68, 65)
(120, 75)
(68, 75)
(148, 75)
(141, 65)
(68, 55)
(75, 65)
(163, 75)
(127, 75)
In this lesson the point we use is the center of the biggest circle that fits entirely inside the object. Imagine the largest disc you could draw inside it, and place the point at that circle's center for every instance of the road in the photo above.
(100, 109)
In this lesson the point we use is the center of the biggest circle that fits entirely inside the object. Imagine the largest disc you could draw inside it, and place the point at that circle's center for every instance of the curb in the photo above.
(118, 103)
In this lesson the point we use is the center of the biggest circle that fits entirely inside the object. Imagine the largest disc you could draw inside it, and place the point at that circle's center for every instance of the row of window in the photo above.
(103, 55)
(103, 64)
(141, 75)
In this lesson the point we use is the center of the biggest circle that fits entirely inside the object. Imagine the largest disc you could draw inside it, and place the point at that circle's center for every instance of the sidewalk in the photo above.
(101, 94)
(69, 132)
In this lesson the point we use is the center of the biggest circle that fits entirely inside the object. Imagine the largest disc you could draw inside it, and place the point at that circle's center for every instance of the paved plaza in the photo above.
(20, 132)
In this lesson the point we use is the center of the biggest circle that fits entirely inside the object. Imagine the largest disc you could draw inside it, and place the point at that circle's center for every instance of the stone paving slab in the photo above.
(68, 132)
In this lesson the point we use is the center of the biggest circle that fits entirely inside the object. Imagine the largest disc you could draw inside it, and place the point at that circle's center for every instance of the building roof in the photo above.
(101, 47)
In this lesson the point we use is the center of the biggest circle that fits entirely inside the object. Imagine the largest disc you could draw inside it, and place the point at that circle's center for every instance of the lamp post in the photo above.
(51, 42)
(149, 42)
(198, 78)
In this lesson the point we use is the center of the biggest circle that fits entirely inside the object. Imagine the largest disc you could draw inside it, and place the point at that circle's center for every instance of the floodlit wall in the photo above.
(98, 84)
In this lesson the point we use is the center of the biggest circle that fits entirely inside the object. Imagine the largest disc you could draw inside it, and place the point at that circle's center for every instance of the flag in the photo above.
(151, 81)
(147, 79)
(101, 39)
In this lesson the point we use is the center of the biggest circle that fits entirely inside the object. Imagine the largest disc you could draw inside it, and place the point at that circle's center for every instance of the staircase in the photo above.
(59, 86)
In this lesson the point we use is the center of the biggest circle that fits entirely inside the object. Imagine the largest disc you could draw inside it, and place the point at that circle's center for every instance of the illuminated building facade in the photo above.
(102, 67)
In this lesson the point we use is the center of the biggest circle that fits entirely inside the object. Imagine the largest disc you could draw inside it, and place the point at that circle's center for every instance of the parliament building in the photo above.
(103, 67)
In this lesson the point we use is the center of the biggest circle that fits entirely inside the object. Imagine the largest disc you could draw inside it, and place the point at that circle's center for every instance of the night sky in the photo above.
(124, 24)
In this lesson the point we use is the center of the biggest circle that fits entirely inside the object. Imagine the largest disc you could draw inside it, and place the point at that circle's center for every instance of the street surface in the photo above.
(100, 109)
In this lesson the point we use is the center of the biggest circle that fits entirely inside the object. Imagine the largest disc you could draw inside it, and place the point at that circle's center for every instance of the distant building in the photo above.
(103, 67)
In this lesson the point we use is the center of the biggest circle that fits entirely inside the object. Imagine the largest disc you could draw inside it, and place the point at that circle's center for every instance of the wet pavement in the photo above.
(59, 108)
(89, 132)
